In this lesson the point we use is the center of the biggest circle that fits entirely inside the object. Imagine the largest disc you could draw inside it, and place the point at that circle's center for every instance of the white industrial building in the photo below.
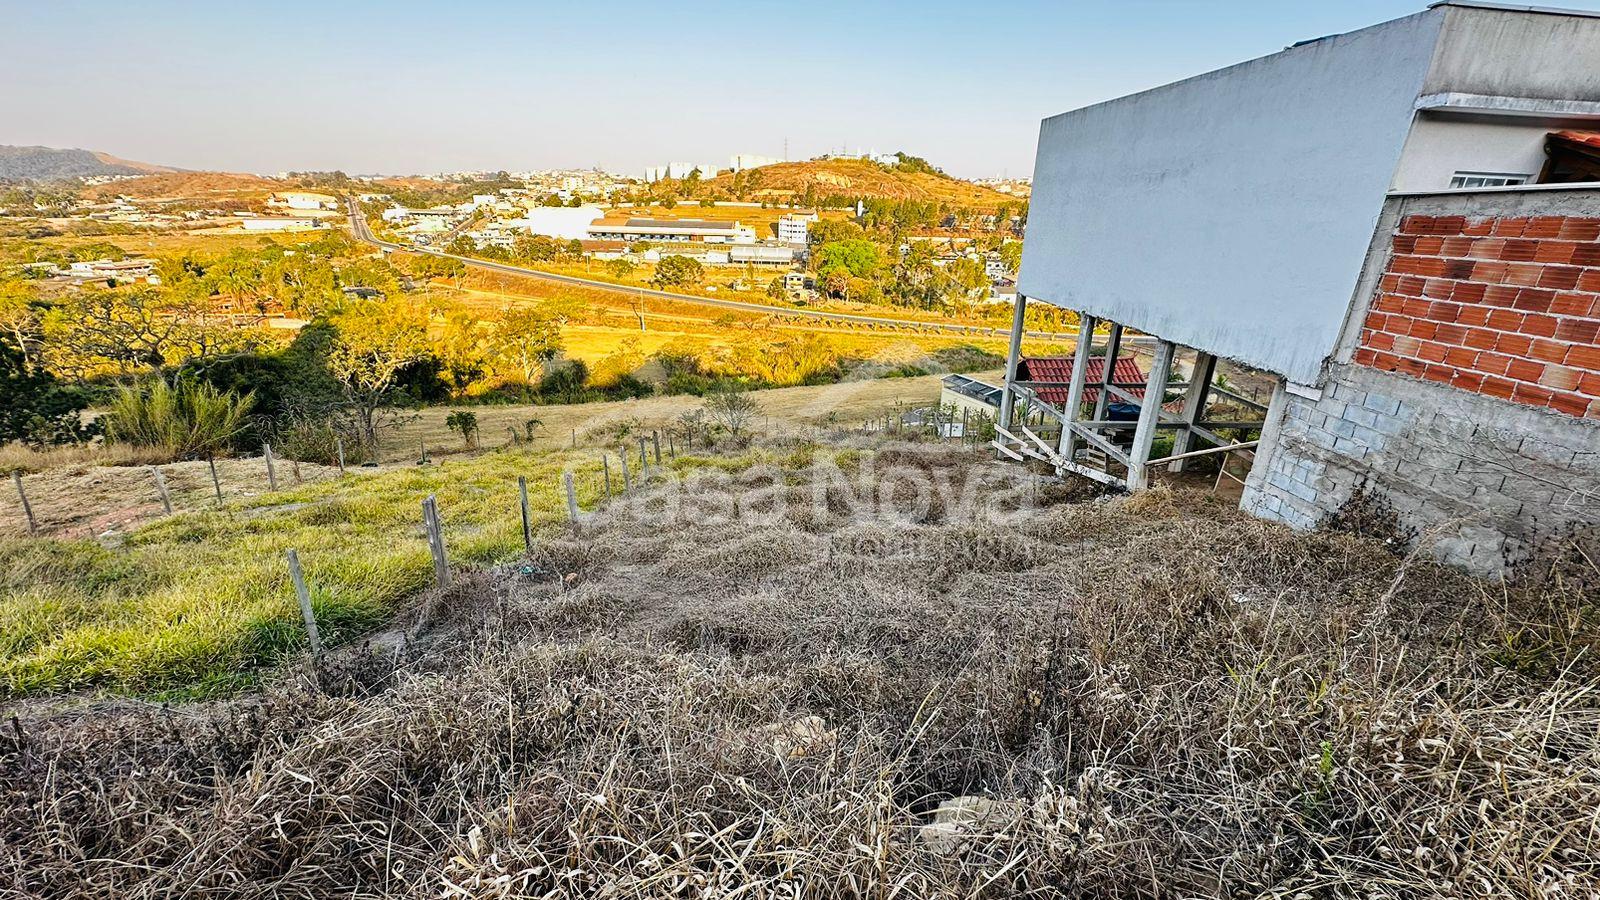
(1376, 222)
(565, 222)
(674, 231)
(653, 174)
(794, 228)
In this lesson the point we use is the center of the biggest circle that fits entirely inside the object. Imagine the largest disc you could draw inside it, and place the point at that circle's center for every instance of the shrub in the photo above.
(188, 419)
(465, 423)
(317, 438)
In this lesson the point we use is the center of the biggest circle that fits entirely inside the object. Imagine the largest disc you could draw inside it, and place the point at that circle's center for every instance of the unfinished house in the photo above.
(1399, 226)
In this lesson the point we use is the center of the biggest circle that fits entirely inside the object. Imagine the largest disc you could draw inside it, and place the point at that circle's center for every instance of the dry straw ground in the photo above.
(1167, 699)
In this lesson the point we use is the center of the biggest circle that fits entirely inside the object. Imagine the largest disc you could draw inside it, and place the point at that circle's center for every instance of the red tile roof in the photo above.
(1059, 368)
(1590, 138)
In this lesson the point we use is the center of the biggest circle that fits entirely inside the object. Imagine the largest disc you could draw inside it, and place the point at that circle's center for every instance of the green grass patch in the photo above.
(192, 605)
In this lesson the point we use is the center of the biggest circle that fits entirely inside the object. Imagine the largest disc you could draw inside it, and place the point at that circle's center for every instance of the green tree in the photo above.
(856, 257)
(35, 408)
(678, 271)
(525, 338)
(372, 344)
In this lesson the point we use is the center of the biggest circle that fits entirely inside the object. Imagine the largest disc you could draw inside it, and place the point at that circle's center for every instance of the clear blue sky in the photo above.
(419, 87)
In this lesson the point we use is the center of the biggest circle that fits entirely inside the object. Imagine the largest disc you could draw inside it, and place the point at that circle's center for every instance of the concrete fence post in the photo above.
(304, 597)
(27, 508)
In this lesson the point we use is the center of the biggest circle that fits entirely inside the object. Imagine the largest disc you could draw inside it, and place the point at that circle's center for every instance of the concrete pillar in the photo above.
(1194, 404)
(1155, 387)
(1080, 372)
(1013, 357)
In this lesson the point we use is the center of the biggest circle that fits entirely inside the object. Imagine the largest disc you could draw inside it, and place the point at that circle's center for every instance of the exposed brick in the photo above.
(1498, 387)
(1468, 292)
(1560, 378)
(1473, 315)
(1584, 357)
(1572, 303)
(1448, 333)
(1510, 226)
(1479, 226)
(1493, 363)
(1461, 357)
(1562, 278)
(1441, 288)
(1506, 320)
(1426, 246)
(1365, 356)
(1500, 294)
(1439, 372)
(1424, 328)
(1427, 266)
(1522, 274)
(1490, 272)
(1432, 351)
(1548, 351)
(1389, 303)
(1532, 393)
(1410, 286)
(1589, 281)
(1571, 404)
(1458, 246)
(1539, 325)
(1481, 338)
(1586, 255)
(1513, 344)
(1544, 226)
(1589, 383)
(1534, 300)
(1559, 252)
(1577, 331)
(1406, 345)
(1405, 243)
(1519, 250)
(1576, 229)
(1468, 381)
(1416, 225)
(1525, 370)
(1380, 340)
(1442, 311)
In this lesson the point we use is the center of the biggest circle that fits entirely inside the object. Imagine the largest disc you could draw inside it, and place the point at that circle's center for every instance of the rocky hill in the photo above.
(50, 163)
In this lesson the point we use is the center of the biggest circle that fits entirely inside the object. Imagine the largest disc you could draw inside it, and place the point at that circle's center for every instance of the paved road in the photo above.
(358, 226)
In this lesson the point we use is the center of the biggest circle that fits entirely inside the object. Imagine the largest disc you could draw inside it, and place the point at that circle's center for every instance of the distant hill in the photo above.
(186, 184)
(49, 163)
(857, 178)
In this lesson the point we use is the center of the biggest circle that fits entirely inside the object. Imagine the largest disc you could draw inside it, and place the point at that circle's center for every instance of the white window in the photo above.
(1487, 179)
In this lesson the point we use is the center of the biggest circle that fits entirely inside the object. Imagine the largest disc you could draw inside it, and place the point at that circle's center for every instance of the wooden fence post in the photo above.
(527, 514)
(305, 603)
(644, 461)
(161, 489)
(216, 483)
(272, 471)
(27, 508)
(655, 441)
(430, 522)
(627, 477)
(605, 463)
(672, 446)
(572, 497)
(338, 446)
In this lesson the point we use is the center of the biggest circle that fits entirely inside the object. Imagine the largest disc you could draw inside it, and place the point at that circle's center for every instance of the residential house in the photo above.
(1383, 223)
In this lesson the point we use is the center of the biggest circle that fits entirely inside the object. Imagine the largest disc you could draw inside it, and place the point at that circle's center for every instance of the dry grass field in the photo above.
(856, 687)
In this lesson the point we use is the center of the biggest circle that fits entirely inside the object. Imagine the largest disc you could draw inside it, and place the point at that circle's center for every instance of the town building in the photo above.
(708, 231)
(679, 170)
(1386, 225)
(795, 227)
(123, 271)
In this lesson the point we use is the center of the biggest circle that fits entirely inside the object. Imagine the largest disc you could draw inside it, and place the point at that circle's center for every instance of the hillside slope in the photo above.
(46, 163)
(858, 178)
(836, 681)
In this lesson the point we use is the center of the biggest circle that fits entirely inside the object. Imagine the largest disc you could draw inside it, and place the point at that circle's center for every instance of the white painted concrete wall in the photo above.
(1439, 147)
(565, 222)
(1230, 211)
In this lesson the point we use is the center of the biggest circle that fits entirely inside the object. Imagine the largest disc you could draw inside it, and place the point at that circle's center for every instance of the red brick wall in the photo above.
(1503, 306)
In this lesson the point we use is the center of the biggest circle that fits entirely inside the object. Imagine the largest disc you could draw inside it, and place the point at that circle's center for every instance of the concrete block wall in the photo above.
(1467, 388)
(1482, 478)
